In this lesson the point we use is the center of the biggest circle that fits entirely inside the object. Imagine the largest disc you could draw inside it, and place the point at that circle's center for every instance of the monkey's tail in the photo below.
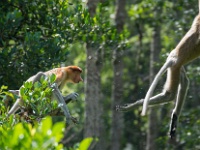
(153, 85)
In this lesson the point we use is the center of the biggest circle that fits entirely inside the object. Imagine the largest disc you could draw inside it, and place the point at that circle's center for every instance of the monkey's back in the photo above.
(188, 48)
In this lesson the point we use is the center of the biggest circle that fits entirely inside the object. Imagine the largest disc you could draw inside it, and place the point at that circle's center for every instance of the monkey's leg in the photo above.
(180, 99)
(15, 92)
(15, 107)
(161, 98)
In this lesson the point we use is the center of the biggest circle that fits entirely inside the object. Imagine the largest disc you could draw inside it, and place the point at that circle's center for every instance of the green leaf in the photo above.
(37, 84)
(28, 85)
(9, 94)
(22, 91)
(84, 145)
(57, 130)
(52, 78)
(46, 125)
(3, 87)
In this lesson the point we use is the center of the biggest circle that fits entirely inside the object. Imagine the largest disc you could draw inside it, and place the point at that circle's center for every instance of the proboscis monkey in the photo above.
(63, 75)
(177, 83)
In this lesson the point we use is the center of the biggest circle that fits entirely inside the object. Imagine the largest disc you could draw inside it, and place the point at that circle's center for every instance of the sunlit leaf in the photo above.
(84, 145)
(52, 78)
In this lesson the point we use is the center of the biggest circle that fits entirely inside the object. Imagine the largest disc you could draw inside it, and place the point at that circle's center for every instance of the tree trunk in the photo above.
(153, 113)
(93, 107)
(94, 126)
(117, 89)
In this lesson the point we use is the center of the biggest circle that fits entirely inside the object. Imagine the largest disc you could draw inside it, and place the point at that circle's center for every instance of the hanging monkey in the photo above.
(63, 75)
(177, 83)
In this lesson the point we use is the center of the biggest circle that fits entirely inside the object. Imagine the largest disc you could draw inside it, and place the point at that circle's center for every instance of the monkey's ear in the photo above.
(75, 68)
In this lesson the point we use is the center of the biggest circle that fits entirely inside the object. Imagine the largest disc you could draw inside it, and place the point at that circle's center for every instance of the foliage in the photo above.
(28, 38)
(44, 135)
(17, 133)
(37, 38)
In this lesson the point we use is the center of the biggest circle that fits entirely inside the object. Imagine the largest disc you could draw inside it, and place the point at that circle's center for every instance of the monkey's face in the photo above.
(76, 78)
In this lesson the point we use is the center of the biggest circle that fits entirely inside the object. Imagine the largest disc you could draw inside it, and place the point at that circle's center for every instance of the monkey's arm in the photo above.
(161, 98)
(72, 96)
(62, 104)
(67, 99)
(16, 92)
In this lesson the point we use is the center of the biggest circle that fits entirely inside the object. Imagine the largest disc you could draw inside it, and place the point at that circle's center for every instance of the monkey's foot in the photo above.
(173, 126)
(74, 120)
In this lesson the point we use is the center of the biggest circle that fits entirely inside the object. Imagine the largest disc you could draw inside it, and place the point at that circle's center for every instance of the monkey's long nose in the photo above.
(81, 80)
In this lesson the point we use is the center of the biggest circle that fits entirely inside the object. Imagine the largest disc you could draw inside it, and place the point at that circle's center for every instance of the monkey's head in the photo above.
(74, 74)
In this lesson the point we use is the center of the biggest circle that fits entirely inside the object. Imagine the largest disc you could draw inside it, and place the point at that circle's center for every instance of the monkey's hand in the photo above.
(71, 97)
(125, 107)
(122, 107)
(130, 106)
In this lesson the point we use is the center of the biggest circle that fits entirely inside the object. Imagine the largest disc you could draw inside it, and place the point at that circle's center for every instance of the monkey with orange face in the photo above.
(63, 75)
